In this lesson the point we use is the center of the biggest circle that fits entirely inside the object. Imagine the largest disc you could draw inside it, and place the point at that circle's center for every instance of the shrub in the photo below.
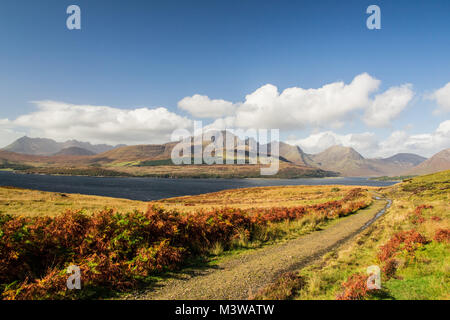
(407, 240)
(355, 288)
(442, 235)
(417, 216)
(390, 268)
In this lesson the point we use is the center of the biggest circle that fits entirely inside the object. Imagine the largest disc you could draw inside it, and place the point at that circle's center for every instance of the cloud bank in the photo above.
(442, 98)
(388, 105)
(99, 124)
(295, 109)
(369, 145)
(203, 107)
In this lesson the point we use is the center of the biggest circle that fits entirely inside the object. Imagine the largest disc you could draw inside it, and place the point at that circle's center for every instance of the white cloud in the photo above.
(317, 142)
(100, 124)
(388, 105)
(204, 107)
(7, 133)
(442, 98)
(297, 108)
(425, 144)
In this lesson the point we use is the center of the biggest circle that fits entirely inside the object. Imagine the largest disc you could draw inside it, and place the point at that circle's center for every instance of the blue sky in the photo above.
(149, 54)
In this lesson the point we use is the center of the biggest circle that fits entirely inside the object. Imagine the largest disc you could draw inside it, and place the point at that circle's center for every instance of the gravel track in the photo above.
(239, 276)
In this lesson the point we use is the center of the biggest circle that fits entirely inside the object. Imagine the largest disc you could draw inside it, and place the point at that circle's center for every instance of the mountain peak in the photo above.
(342, 152)
(439, 162)
(411, 158)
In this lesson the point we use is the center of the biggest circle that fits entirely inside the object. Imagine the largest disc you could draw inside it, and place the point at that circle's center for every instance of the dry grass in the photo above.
(285, 287)
(36, 203)
(259, 197)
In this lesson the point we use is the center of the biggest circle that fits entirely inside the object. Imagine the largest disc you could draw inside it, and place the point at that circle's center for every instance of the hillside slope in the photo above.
(409, 158)
(74, 151)
(138, 152)
(349, 162)
(439, 162)
(345, 160)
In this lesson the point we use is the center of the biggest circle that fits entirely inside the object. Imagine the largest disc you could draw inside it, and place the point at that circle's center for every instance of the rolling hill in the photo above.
(349, 162)
(345, 160)
(137, 153)
(403, 158)
(439, 162)
(294, 154)
(47, 147)
(74, 151)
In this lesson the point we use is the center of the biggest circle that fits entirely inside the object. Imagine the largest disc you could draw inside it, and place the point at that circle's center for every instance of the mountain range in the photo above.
(348, 162)
(339, 159)
(48, 147)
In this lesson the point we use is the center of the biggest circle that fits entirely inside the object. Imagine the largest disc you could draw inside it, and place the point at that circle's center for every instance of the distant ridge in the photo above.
(47, 147)
(412, 158)
(349, 162)
(292, 154)
(439, 162)
(337, 159)
(139, 152)
(74, 151)
(345, 160)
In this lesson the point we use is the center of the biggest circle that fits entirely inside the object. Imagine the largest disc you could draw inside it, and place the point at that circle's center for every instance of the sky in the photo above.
(138, 70)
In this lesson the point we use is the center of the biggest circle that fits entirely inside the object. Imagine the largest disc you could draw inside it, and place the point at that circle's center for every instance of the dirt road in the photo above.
(238, 276)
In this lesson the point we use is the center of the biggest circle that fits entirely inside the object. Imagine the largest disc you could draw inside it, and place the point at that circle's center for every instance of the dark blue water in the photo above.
(158, 188)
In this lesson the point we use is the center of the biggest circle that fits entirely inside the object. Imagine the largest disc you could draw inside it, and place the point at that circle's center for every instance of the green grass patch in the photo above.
(427, 277)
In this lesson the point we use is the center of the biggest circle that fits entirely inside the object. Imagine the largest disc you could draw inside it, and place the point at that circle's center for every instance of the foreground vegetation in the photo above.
(127, 247)
(119, 251)
(256, 197)
(31, 203)
(410, 244)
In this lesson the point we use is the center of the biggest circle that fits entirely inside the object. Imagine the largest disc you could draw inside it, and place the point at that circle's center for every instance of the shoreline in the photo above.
(151, 188)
